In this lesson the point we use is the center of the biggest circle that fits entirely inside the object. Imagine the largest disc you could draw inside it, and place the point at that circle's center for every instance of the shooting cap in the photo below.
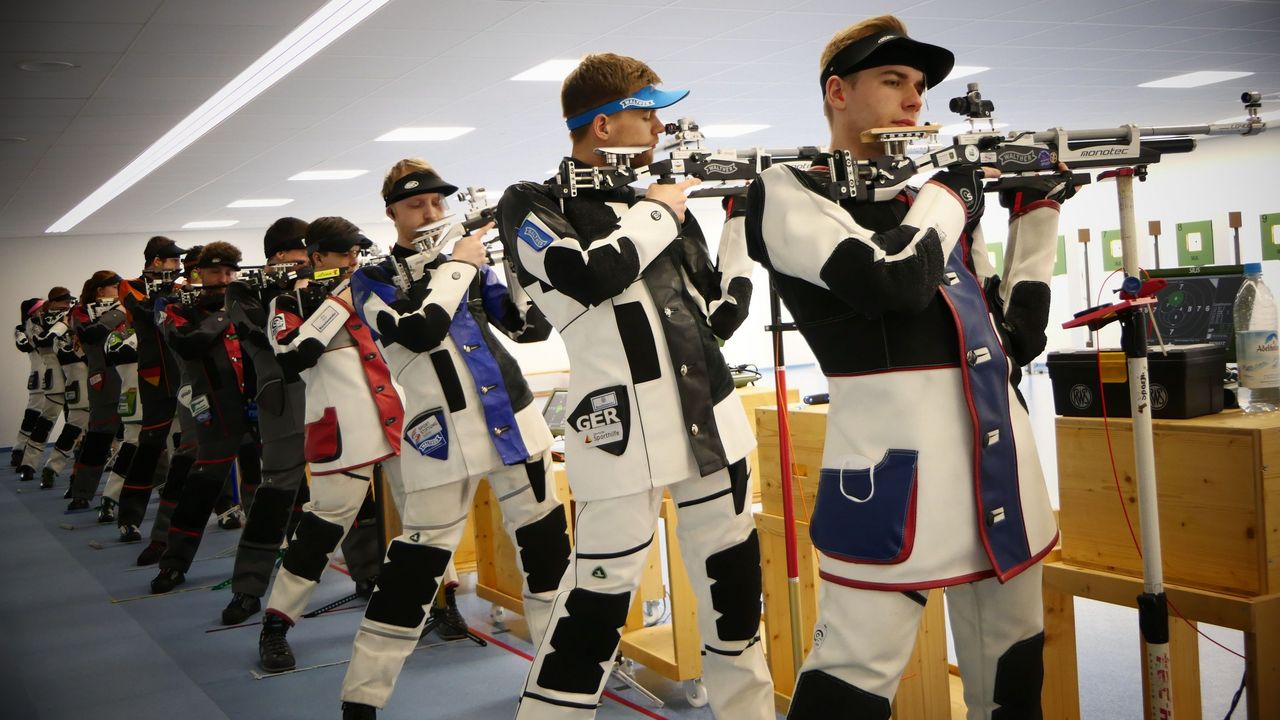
(287, 233)
(192, 255)
(59, 293)
(418, 183)
(336, 237)
(646, 98)
(891, 48)
(161, 247)
(219, 254)
(31, 306)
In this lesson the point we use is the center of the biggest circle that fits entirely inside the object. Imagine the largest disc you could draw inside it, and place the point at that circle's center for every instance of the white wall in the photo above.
(1225, 174)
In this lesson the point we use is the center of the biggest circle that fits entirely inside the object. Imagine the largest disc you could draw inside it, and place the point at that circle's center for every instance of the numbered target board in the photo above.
(1271, 236)
(1195, 243)
(1112, 250)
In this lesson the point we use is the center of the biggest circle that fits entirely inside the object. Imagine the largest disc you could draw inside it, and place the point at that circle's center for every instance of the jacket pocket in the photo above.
(324, 438)
(868, 515)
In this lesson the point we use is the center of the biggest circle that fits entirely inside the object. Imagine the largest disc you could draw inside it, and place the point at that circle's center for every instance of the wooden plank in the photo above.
(1060, 694)
(754, 396)
(1210, 524)
(1262, 647)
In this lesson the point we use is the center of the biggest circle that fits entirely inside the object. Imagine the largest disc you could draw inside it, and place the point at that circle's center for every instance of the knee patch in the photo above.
(406, 583)
(29, 419)
(819, 694)
(271, 508)
(586, 636)
(67, 438)
(40, 432)
(311, 546)
(544, 550)
(735, 589)
(1019, 676)
(94, 449)
(124, 459)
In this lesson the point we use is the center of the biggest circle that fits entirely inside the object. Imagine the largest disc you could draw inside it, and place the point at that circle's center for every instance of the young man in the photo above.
(98, 293)
(46, 329)
(35, 378)
(353, 420)
(653, 405)
(158, 377)
(208, 346)
(930, 476)
(280, 397)
(470, 415)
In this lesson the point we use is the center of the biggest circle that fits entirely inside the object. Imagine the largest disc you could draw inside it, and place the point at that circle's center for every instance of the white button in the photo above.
(667, 311)
(684, 370)
(457, 275)
(693, 429)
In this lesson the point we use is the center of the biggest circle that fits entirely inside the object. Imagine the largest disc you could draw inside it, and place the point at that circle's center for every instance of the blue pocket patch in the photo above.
(428, 434)
(867, 515)
(534, 236)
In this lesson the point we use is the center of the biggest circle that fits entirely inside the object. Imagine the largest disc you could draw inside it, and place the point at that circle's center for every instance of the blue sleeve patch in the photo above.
(534, 236)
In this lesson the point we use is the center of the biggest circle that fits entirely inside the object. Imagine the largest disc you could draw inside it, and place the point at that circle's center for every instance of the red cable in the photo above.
(1115, 475)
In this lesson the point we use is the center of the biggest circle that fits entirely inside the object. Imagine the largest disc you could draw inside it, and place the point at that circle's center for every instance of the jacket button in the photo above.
(457, 276)
(684, 370)
(357, 326)
(370, 356)
(380, 388)
(693, 429)
(389, 421)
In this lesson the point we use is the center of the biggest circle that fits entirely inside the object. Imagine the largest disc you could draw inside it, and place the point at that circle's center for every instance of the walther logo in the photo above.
(1104, 151)
(1012, 156)
(719, 169)
(635, 102)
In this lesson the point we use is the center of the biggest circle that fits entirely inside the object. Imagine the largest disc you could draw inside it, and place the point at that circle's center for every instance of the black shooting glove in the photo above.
(966, 182)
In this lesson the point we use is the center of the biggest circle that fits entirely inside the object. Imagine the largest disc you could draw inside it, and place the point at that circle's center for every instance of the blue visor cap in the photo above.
(646, 98)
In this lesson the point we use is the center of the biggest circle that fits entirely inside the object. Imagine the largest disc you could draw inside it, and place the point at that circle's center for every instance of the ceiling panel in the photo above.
(145, 63)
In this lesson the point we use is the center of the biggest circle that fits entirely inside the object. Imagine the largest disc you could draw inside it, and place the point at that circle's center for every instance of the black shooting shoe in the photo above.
(233, 520)
(107, 513)
(450, 625)
(242, 607)
(150, 555)
(364, 588)
(47, 476)
(167, 580)
(26, 473)
(274, 653)
(358, 711)
(77, 505)
(130, 533)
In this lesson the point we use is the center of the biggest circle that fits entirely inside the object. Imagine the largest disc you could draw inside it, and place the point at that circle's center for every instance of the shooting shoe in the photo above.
(358, 711)
(241, 608)
(77, 505)
(130, 533)
(274, 653)
(107, 513)
(167, 580)
(47, 476)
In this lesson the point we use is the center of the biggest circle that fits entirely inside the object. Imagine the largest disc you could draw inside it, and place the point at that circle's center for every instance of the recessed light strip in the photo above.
(326, 25)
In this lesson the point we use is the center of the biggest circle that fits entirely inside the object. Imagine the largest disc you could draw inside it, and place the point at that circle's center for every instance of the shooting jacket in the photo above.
(207, 347)
(353, 409)
(930, 475)
(468, 409)
(633, 293)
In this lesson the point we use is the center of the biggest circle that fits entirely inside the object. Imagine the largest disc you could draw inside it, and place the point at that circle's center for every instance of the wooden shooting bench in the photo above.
(1218, 480)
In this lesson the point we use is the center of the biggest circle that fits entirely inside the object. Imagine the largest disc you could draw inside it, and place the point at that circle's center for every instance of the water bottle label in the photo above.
(1258, 357)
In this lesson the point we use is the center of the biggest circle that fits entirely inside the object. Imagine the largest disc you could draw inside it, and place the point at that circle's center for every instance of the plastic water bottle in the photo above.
(1257, 343)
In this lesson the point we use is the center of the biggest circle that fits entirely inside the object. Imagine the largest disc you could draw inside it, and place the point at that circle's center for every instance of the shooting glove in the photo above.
(1057, 187)
(966, 182)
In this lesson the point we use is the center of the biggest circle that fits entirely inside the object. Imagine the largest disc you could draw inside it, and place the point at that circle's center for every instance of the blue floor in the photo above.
(69, 652)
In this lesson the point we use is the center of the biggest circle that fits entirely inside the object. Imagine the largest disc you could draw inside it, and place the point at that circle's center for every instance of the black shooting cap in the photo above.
(328, 238)
(287, 233)
(418, 183)
(891, 48)
(163, 248)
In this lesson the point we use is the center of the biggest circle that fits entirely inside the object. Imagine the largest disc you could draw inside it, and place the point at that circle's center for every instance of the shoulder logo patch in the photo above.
(533, 234)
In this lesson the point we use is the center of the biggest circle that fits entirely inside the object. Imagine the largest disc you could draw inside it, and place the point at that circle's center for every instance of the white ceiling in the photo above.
(145, 64)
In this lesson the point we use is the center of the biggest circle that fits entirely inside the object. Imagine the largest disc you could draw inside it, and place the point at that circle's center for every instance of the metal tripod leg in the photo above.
(623, 670)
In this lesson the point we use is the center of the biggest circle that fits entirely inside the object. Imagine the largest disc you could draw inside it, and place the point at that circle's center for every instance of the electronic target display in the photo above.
(1196, 306)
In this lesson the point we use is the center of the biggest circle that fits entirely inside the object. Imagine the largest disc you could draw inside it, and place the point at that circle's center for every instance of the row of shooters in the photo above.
(918, 336)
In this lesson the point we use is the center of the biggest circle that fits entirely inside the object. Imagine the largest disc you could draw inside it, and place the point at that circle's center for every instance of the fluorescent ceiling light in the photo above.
(1196, 79)
(424, 134)
(964, 127)
(549, 71)
(328, 174)
(729, 131)
(209, 224)
(315, 33)
(960, 71)
(260, 202)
